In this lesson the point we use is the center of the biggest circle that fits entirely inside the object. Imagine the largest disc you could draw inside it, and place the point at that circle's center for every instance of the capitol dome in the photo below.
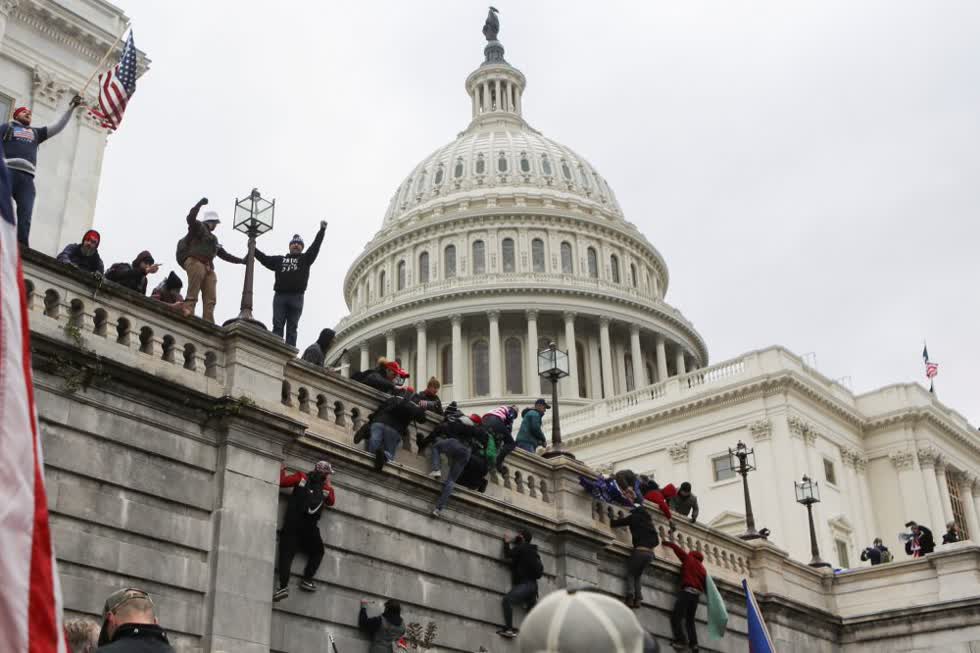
(495, 245)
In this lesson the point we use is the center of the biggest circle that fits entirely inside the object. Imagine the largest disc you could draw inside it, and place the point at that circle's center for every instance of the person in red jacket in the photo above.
(652, 492)
(693, 579)
(300, 531)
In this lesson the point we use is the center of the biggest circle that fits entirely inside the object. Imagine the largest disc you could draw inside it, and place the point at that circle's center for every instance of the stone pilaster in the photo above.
(533, 380)
(929, 459)
(421, 355)
(636, 353)
(605, 352)
(496, 376)
(459, 356)
(572, 384)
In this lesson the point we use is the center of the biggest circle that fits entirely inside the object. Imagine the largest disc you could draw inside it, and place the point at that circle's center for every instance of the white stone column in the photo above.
(619, 366)
(861, 469)
(6, 6)
(486, 96)
(345, 365)
(911, 484)
(928, 464)
(365, 356)
(496, 389)
(639, 367)
(947, 501)
(498, 97)
(476, 104)
(531, 374)
(661, 359)
(421, 355)
(974, 499)
(572, 354)
(969, 508)
(390, 345)
(679, 361)
(853, 494)
(460, 385)
(606, 354)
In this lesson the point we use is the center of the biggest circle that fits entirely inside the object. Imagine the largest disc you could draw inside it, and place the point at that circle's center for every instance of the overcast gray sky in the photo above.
(808, 170)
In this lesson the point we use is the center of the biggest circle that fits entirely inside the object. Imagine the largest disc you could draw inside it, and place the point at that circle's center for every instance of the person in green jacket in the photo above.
(530, 437)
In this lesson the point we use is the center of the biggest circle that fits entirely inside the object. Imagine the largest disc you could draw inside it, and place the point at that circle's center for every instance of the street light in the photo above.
(254, 216)
(553, 365)
(808, 494)
(742, 460)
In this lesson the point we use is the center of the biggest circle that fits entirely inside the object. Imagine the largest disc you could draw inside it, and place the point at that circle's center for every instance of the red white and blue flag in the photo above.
(932, 369)
(30, 600)
(117, 86)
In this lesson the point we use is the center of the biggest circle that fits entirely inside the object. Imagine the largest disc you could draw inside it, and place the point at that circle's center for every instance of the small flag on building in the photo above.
(760, 641)
(116, 87)
(30, 603)
(932, 369)
(717, 612)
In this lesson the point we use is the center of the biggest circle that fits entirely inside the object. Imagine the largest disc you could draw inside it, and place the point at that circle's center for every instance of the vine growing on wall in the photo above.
(228, 407)
(421, 639)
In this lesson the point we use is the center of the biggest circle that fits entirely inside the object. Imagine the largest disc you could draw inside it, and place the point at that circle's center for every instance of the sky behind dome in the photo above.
(808, 170)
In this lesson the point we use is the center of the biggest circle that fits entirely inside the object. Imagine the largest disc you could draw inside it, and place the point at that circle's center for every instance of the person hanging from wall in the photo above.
(196, 252)
(652, 492)
(168, 292)
(133, 275)
(499, 422)
(526, 568)
(384, 630)
(645, 539)
(389, 425)
(84, 255)
(616, 489)
(457, 445)
(292, 276)
(693, 579)
(388, 376)
(20, 143)
(317, 352)
(530, 436)
(312, 492)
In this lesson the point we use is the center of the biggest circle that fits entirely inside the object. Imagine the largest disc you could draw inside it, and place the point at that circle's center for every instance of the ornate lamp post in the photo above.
(254, 216)
(742, 460)
(808, 494)
(553, 365)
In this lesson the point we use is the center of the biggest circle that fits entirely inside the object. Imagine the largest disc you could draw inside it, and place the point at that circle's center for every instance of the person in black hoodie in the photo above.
(645, 539)
(312, 492)
(385, 629)
(130, 626)
(292, 277)
(389, 424)
(525, 570)
(921, 542)
(84, 255)
(133, 275)
(317, 352)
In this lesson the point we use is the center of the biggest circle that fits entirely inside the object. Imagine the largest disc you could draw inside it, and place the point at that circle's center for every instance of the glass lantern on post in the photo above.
(808, 493)
(742, 461)
(254, 216)
(553, 365)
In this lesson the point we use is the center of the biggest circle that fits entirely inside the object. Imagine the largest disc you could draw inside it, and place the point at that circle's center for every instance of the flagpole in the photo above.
(98, 67)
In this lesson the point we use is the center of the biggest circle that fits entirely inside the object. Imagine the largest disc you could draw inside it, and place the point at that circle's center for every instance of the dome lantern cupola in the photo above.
(496, 87)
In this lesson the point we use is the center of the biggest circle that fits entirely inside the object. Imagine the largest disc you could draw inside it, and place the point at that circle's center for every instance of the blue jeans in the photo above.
(525, 593)
(458, 454)
(286, 309)
(526, 446)
(23, 192)
(386, 436)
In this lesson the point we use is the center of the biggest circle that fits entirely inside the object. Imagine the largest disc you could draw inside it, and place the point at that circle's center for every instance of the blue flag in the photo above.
(760, 641)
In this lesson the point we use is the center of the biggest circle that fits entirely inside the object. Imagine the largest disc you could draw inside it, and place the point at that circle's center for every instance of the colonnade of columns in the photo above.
(939, 496)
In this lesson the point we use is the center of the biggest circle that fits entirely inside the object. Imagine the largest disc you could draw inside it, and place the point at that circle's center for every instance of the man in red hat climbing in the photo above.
(20, 142)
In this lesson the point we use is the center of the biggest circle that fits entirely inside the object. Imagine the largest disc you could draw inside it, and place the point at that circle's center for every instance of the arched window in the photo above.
(583, 387)
(481, 164)
(525, 163)
(628, 368)
(543, 343)
(507, 254)
(537, 255)
(501, 162)
(614, 267)
(593, 263)
(479, 257)
(446, 365)
(421, 183)
(423, 274)
(401, 275)
(481, 368)
(458, 170)
(514, 365)
(566, 172)
(585, 177)
(439, 175)
(381, 283)
(633, 276)
(546, 165)
(449, 261)
(566, 258)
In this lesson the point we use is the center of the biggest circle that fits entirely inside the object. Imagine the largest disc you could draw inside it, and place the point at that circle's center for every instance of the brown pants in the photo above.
(201, 279)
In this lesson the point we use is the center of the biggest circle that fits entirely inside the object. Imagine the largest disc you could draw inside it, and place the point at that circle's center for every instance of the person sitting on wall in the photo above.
(386, 629)
(133, 275)
(920, 542)
(877, 553)
(530, 436)
(645, 539)
(499, 423)
(130, 625)
(84, 255)
(317, 352)
(168, 292)
(312, 493)
(526, 568)
(389, 424)
(685, 502)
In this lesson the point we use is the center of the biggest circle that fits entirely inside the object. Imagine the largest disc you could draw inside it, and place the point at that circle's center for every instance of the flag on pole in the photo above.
(117, 86)
(717, 612)
(760, 641)
(30, 603)
(932, 369)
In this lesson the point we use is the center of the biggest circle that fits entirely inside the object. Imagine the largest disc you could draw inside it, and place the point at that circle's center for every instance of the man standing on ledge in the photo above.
(195, 253)
(20, 143)
(292, 276)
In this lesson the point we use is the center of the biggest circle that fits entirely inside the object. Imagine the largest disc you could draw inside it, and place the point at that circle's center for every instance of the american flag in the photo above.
(116, 87)
(30, 603)
(932, 369)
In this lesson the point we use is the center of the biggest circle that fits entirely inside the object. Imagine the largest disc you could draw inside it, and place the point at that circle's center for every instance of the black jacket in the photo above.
(523, 558)
(950, 537)
(72, 255)
(377, 380)
(138, 638)
(398, 412)
(641, 527)
(873, 554)
(292, 270)
(927, 544)
(130, 275)
(433, 402)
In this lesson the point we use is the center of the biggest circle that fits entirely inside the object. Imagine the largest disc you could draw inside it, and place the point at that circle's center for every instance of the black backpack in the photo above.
(536, 566)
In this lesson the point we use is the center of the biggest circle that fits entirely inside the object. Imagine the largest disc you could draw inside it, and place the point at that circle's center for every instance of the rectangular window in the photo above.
(722, 466)
(6, 106)
(829, 472)
(845, 563)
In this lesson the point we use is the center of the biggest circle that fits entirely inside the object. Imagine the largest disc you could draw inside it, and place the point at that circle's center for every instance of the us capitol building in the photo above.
(505, 240)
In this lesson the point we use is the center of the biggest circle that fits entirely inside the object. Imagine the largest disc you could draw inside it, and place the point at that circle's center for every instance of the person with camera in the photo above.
(526, 569)
(312, 492)
(920, 542)
(877, 553)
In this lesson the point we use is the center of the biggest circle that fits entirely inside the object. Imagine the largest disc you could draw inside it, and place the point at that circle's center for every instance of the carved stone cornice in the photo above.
(493, 315)
(61, 27)
(761, 430)
(419, 325)
(678, 452)
(860, 464)
(929, 456)
(48, 89)
(569, 316)
(531, 314)
(456, 319)
(803, 429)
(902, 459)
(6, 6)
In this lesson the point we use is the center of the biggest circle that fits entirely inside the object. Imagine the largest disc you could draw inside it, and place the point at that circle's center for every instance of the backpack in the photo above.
(117, 268)
(886, 556)
(490, 451)
(536, 568)
(183, 249)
